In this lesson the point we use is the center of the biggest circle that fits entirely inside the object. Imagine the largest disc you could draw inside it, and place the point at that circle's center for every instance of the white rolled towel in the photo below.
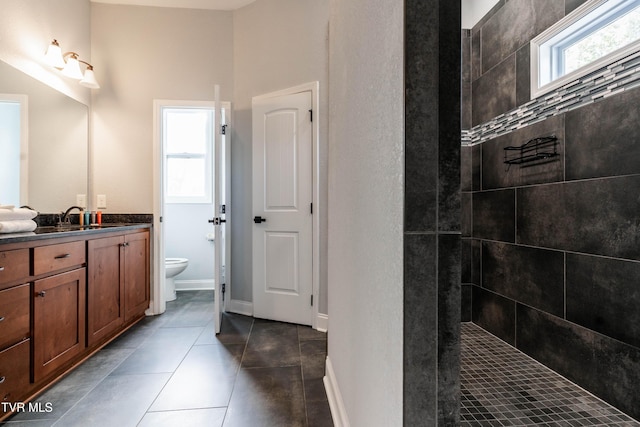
(17, 213)
(17, 226)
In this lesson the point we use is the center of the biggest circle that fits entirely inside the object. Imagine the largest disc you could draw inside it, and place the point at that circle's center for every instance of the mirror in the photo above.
(53, 168)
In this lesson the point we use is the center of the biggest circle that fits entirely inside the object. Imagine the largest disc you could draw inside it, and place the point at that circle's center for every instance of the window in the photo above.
(187, 137)
(10, 140)
(593, 36)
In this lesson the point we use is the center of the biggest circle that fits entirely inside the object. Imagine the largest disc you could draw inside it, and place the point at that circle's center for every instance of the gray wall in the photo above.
(366, 181)
(165, 53)
(141, 54)
(277, 44)
(550, 251)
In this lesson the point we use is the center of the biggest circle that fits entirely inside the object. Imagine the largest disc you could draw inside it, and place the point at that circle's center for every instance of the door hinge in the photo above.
(311, 300)
(223, 129)
(160, 219)
(223, 208)
(311, 115)
(311, 208)
(223, 288)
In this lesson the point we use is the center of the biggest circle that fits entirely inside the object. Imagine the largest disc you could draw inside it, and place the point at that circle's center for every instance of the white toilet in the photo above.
(173, 267)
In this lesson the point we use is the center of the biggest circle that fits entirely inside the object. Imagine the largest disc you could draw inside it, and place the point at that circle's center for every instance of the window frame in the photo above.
(543, 56)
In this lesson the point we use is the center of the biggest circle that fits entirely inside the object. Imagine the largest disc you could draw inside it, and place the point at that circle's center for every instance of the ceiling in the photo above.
(187, 4)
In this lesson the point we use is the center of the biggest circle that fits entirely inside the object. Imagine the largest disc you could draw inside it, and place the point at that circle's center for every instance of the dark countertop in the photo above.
(52, 232)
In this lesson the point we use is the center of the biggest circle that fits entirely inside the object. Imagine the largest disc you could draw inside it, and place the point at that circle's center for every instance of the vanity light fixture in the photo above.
(69, 63)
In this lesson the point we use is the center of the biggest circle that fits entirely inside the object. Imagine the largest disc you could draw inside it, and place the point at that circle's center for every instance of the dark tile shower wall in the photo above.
(551, 250)
(432, 213)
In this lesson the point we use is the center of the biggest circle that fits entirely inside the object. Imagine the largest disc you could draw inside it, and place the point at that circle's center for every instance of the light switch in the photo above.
(102, 201)
(81, 200)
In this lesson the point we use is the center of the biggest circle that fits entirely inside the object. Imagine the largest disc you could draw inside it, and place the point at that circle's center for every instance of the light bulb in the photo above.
(89, 79)
(54, 55)
(72, 68)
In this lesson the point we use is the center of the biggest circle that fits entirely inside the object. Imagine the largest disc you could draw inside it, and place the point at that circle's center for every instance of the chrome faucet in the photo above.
(64, 216)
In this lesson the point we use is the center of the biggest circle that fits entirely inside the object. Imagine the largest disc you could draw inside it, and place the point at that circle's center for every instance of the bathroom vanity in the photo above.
(64, 294)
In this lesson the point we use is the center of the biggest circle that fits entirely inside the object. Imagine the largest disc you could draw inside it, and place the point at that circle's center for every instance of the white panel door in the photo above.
(282, 196)
(218, 190)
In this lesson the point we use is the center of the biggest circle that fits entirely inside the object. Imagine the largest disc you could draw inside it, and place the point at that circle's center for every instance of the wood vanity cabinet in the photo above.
(62, 298)
(119, 283)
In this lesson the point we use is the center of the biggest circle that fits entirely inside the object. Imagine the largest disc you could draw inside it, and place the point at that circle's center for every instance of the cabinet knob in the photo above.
(62, 256)
(41, 294)
(125, 244)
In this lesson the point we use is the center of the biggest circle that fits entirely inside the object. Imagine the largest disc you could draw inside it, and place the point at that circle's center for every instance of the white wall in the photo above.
(142, 54)
(27, 27)
(366, 174)
(277, 44)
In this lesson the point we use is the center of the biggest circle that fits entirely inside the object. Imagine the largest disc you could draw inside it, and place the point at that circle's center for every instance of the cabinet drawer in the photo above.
(14, 372)
(57, 257)
(14, 315)
(14, 265)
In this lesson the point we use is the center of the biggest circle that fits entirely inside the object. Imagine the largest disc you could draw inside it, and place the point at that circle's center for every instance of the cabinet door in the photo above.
(136, 275)
(106, 281)
(58, 321)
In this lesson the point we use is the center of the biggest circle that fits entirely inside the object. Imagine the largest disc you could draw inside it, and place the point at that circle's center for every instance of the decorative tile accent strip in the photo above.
(603, 83)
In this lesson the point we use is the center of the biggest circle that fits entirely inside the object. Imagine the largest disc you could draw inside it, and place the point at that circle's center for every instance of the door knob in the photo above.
(259, 219)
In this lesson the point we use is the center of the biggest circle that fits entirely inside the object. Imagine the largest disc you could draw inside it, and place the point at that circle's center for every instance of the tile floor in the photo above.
(172, 370)
(501, 386)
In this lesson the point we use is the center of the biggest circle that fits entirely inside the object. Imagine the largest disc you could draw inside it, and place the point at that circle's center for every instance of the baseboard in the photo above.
(322, 322)
(239, 307)
(336, 404)
(194, 285)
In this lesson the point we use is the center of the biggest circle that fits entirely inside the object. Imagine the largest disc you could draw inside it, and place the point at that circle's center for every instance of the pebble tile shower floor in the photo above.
(502, 386)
